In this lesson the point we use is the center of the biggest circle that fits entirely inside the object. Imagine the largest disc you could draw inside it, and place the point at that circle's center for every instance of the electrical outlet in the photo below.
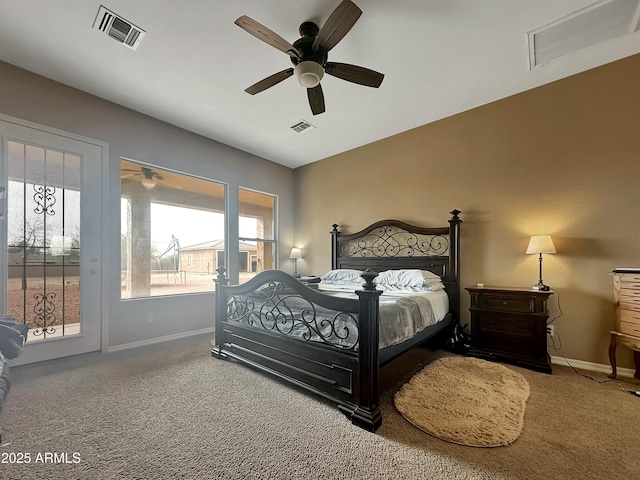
(551, 330)
(149, 317)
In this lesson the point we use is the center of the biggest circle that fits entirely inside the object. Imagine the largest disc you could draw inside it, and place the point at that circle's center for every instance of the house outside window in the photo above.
(165, 214)
(173, 232)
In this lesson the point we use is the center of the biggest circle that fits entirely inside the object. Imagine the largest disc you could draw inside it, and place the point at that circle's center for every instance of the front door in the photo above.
(51, 235)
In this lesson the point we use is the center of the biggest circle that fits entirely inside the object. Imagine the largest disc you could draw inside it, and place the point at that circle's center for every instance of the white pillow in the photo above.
(343, 276)
(429, 276)
(406, 278)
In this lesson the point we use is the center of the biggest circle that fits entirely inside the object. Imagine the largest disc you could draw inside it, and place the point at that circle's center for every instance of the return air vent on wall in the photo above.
(584, 28)
(118, 28)
(302, 127)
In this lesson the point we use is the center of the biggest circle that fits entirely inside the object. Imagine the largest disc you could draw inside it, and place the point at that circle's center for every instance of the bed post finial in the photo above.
(222, 279)
(368, 276)
(454, 214)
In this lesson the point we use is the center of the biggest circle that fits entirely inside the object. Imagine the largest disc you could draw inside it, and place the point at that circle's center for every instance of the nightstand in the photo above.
(510, 324)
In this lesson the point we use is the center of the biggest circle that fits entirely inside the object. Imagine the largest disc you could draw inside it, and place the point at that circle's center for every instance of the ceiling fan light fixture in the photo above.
(309, 73)
(148, 183)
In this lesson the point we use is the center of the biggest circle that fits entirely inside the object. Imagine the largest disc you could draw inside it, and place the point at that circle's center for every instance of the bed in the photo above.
(329, 343)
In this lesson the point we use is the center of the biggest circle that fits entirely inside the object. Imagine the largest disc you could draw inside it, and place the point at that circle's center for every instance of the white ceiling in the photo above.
(439, 57)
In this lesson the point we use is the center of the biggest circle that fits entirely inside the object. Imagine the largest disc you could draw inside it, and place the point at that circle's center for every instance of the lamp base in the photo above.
(296, 275)
(541, 287)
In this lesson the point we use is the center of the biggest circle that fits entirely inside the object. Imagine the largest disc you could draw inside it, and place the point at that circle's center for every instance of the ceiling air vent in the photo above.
(583, 28)
(302, 126)
(118, 28)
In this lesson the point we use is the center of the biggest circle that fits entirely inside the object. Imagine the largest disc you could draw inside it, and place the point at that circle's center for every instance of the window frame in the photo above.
(274, 228)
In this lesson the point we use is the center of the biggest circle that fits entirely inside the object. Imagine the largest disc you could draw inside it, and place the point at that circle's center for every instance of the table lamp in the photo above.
(541, 244)
(296, 253)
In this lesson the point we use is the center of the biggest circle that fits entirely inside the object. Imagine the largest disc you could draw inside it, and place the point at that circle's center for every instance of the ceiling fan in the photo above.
(147, 176)
(309, 54)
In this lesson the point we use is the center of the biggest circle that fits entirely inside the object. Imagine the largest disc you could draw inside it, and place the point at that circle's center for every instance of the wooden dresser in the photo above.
(626, 328)
(510, 324)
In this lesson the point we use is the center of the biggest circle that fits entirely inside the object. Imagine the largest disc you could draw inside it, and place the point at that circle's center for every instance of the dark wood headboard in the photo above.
(393, 244)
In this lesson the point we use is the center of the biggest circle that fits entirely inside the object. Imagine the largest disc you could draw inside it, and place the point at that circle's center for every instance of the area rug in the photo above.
(465, 400)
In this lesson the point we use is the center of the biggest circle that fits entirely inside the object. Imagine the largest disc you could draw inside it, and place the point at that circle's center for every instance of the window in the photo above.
(257, 232)
(43, 239)
(172, 227)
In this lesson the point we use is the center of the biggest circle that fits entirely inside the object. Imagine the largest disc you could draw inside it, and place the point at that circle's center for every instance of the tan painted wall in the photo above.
(563, 159)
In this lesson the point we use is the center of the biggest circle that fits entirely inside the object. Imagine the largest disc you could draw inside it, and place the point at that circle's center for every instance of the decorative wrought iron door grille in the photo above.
(43, 237)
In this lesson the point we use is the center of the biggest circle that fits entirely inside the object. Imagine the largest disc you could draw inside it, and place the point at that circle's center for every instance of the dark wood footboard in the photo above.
(257, 330)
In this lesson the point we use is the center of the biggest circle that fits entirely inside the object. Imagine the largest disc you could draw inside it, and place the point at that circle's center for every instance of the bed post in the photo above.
(220, 311)
(368, 415)
(334, 246)
(454, 261)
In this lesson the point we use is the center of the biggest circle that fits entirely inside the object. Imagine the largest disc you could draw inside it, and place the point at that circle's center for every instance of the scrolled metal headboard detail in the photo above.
(393, 241)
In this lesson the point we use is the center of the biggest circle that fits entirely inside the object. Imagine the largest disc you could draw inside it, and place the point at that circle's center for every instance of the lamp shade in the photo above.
(295, 253)
(541, 244)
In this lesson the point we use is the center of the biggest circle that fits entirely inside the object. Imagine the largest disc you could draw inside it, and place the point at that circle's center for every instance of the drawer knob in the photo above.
(505, 303)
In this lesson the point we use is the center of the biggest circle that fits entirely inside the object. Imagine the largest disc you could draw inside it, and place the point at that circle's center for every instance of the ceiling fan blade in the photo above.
(269, 81)
(316, 99)
(263, 33)
(355, 74)
(337, 25)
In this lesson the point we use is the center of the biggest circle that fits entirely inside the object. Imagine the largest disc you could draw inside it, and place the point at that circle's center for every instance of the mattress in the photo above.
(402, 316)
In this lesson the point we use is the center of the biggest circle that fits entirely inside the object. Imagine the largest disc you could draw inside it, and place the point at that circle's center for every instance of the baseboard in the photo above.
(152, 341)
(592, 367)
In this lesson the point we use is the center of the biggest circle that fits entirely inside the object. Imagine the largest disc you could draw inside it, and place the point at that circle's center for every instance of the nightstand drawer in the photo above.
(507, 324)
(507, 303)
(504, 345)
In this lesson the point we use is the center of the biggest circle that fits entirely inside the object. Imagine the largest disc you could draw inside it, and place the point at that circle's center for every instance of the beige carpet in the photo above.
(170, 411)
(467, 401)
